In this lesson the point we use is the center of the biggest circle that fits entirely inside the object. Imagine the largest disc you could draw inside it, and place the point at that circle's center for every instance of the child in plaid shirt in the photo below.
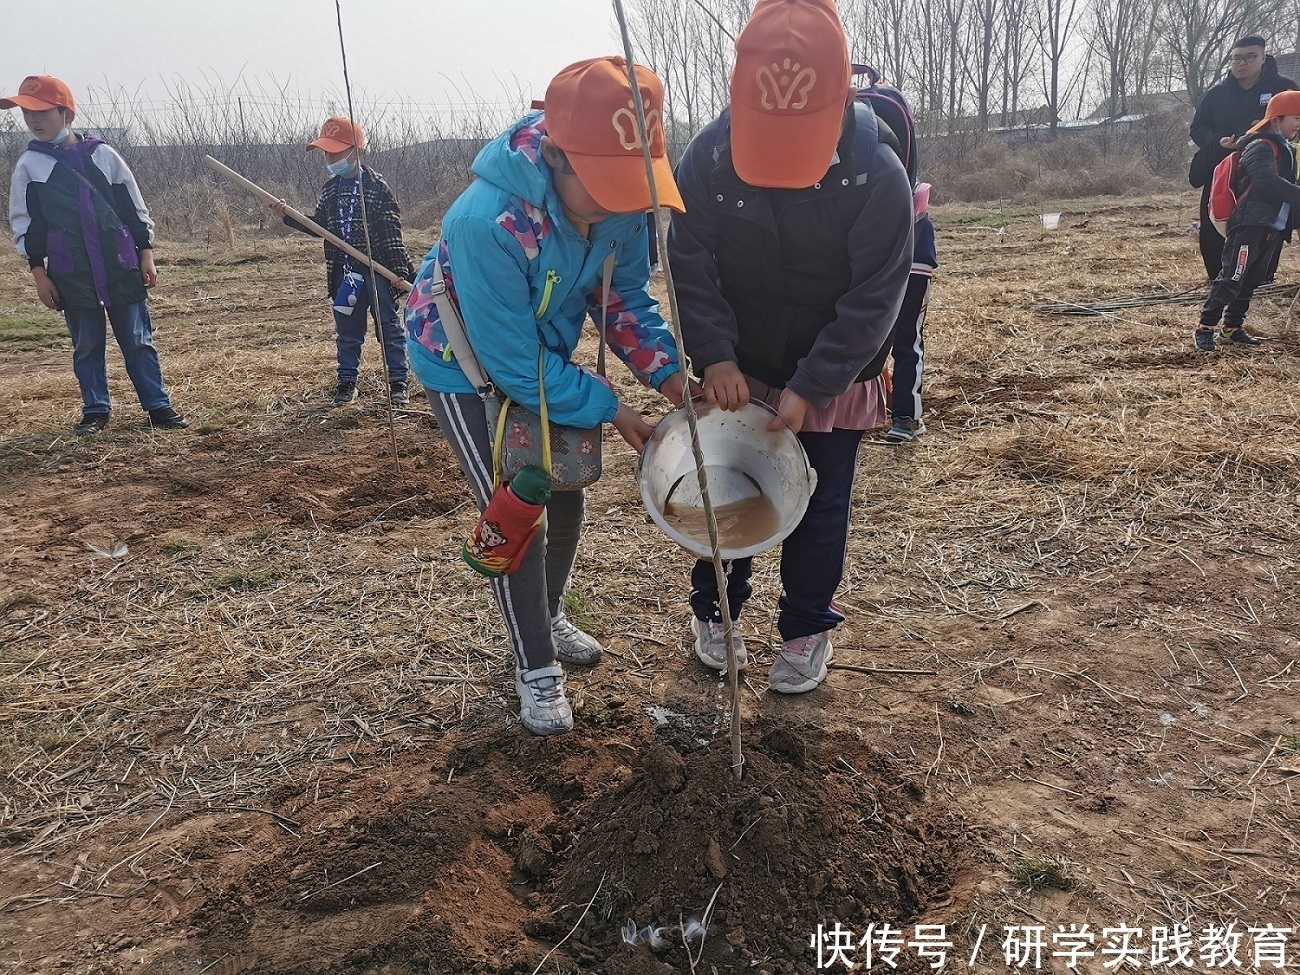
(340, 212)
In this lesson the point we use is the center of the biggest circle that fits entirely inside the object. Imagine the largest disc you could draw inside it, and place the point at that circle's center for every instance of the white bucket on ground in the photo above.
(744, 463)
(1051, 221)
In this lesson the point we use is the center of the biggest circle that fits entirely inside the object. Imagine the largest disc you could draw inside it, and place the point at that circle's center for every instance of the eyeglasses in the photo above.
(1244, 58)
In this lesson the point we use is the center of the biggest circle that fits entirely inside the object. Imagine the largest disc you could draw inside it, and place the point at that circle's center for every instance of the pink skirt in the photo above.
(861, 407)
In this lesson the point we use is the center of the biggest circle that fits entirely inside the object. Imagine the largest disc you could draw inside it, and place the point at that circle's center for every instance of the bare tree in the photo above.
(1114, 41)
(1199, 33)
(881, 35)
(1149, 68)
(954, 15)
(1055, 26)
(983, 51)
(689, 45)
(1017, 16)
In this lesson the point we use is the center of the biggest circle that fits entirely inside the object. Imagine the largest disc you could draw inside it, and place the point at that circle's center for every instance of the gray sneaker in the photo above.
(801, 664)
(711, 644)
(572, 646)
(543, 708)
(905, 430)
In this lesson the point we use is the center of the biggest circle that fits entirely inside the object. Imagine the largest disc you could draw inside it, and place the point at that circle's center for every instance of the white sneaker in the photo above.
(711, 644)
(572, 645)
(543, 708)
(801, 664)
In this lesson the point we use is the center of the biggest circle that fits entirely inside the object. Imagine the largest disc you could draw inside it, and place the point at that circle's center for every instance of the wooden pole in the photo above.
(307, 222)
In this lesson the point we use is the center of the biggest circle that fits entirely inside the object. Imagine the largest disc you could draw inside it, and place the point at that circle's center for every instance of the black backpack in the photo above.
(892, 110)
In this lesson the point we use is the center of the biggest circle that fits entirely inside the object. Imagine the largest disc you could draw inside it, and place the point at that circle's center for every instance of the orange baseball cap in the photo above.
(1283, 103)
(40, 93)
(339, 135)
(789, 89)
(591, 115)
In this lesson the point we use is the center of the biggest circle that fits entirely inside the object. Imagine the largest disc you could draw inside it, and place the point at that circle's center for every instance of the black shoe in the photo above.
(345, 394)
(90, 423)
(1203, 338)
(166, 418)
(1239, 336)
(399, 393)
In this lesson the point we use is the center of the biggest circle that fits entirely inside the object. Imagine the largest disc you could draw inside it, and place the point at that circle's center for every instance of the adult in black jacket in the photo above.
(791, 263)
(1224, 115)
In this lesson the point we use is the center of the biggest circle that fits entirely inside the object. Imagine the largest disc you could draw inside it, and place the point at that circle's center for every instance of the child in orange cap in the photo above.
(1268, 206)
(79, 220)
(522, 257)
(791, 263)
(339, 211)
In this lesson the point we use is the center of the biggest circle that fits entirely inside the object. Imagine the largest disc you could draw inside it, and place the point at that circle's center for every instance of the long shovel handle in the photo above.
(307, 222)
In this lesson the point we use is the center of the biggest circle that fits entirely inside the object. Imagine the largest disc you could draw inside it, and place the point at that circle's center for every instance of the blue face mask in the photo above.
(343, 167)
(63, 134)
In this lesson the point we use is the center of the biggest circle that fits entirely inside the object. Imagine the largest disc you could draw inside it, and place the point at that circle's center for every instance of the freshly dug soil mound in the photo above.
(819, 828)
(511, 845)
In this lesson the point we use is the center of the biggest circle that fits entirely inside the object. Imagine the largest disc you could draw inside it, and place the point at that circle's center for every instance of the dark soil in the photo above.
(513, 844)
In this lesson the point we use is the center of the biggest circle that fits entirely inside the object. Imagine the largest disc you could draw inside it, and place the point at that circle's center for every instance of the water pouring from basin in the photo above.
(759, 481)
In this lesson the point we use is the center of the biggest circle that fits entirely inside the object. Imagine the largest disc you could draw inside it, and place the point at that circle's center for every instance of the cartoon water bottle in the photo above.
(512, 517)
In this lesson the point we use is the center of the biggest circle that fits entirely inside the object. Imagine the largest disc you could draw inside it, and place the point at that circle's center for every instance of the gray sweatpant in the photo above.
(531, 595)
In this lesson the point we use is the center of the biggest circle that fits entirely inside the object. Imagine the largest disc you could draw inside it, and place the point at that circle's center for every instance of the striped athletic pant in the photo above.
(531, 595)
(909, 345)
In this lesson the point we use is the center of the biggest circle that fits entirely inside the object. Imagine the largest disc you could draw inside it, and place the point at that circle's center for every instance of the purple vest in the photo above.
(76, 156)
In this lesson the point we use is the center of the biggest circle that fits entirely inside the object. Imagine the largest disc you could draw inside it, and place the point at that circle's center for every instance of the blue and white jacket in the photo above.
(525, 279)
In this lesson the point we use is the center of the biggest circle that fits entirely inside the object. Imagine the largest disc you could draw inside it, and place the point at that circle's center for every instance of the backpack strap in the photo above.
(1241, 171)
(866, 138)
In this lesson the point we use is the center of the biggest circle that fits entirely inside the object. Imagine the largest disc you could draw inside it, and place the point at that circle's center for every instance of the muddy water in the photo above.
(740, 524)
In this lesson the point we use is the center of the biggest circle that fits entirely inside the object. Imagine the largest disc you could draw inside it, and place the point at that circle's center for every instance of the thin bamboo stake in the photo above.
(729, 625)
(365, 229)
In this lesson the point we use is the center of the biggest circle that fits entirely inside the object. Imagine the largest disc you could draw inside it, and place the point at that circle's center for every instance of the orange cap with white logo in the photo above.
(40, 93)
(591, 115)
(789, 89)
(339, 135)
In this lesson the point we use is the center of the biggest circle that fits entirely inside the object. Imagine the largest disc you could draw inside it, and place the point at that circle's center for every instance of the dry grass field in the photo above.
(256, 714)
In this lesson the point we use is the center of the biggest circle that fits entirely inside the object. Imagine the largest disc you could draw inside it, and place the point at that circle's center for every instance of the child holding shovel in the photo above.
(522, 255)
(81, 224)
(339, 211)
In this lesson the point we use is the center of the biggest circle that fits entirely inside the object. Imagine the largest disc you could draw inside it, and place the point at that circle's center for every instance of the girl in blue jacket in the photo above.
(522, 253)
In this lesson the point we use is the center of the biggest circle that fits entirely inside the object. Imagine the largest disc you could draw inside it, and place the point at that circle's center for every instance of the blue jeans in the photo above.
(134, 333)
(351, 331)
(812, 557)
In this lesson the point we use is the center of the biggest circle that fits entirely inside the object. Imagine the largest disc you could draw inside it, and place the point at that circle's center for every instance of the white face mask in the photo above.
(63, 134)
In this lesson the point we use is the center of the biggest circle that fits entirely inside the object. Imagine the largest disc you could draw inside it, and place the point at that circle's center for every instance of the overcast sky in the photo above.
(429, 51)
